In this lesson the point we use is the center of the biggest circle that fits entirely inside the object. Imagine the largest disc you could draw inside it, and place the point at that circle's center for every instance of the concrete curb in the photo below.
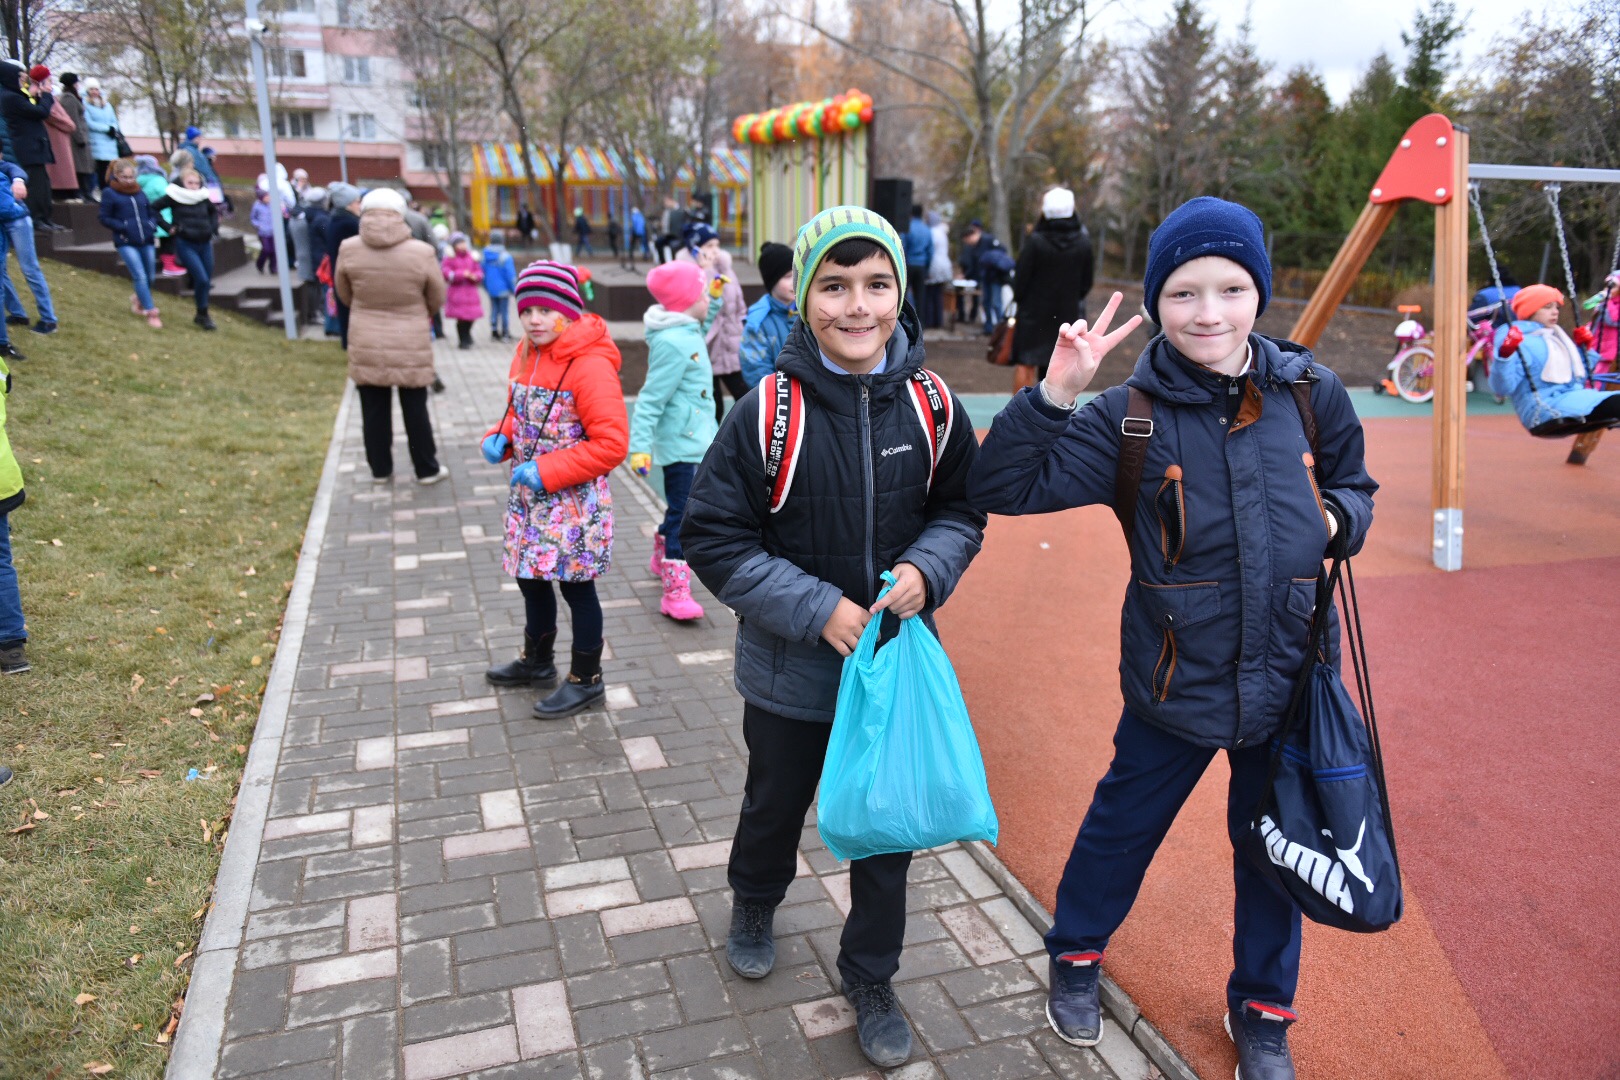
(202, 1026)
(1119, 1005)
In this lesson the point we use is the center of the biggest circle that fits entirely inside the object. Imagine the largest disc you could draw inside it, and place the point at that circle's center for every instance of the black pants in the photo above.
(464, 333)
(733, 382)
(784, 766)
(1608, 409)
(540, 610)
(39, 193)
(377, 424)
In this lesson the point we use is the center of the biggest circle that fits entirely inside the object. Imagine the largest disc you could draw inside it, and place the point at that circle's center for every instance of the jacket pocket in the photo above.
(1172, 609)
(1171, 504)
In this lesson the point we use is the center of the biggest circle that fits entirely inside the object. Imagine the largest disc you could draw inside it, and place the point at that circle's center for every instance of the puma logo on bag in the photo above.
(1324, 875)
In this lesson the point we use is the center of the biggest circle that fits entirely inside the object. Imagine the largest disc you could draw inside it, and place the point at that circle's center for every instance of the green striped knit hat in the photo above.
(837, 224)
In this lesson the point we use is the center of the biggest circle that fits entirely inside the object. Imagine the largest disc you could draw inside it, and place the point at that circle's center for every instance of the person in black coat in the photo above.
(25, 113)
(1051, 283)
(344, 223)
(196, 223)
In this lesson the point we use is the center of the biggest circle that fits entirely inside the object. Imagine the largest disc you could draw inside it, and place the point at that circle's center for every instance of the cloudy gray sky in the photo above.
(1338, 37)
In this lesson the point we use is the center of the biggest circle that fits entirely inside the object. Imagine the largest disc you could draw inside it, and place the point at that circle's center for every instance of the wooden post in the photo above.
(1450, 388)
(1335, 284)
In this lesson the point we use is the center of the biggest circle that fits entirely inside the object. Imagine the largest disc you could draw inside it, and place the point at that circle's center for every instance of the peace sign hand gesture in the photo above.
(1080, 350)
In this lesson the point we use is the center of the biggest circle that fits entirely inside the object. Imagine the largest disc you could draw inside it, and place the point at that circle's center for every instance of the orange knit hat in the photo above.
(1532, 298)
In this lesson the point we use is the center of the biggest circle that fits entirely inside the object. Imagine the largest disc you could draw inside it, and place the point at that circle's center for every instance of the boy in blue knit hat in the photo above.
(1234, 463)
(849, 460)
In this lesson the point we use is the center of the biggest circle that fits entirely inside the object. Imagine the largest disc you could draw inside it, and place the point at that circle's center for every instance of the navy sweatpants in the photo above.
(1151, 775)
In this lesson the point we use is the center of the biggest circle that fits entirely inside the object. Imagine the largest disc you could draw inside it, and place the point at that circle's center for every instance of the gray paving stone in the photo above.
(582, 944)
(693, 1043)
(425, 971)
(338, 1002)
(370, 1048)
(781, 1045)
(465, 1012)
(617, 984)
(258, 1003)
(617, 1019)
(271, 1053)
(505, 972)
(1013, 1059)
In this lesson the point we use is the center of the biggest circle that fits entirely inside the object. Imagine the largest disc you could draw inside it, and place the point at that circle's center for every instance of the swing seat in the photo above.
(1565, 426)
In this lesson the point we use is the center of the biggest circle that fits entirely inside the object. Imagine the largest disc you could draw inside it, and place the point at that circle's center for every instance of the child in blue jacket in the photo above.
(500, 278)
(125, 211)
(1543, 370)
(1238, 503)
(674, 420)
(765, 329)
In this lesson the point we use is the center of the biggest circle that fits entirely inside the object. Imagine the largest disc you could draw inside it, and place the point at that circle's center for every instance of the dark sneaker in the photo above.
(16, 320)
(885, 1036)
(1260, 1032)
(204, 321)
(750, 948)
(533, 667)
(14, 661)
(438, 385)
(43, 327)
(9, 351)
(1073, 1007)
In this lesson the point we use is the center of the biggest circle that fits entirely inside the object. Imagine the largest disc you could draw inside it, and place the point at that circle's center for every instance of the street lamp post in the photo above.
(261, 86)
(343, 154)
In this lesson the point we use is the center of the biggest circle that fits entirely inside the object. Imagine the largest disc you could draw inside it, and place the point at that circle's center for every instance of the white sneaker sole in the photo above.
(1072, 1042)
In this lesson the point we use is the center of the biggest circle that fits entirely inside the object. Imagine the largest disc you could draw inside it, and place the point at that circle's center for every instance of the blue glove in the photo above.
(528, 474)
(494, 447)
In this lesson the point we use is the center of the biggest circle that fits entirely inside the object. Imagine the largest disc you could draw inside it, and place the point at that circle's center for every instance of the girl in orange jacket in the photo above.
(564, 429)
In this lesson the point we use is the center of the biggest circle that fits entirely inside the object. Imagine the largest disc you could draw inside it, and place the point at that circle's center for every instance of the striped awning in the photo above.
(594, 165)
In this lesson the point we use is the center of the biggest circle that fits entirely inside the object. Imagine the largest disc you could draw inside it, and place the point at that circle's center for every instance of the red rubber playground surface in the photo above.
(1496, 693)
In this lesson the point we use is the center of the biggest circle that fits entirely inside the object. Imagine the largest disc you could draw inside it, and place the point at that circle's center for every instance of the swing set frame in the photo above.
(1431, 165)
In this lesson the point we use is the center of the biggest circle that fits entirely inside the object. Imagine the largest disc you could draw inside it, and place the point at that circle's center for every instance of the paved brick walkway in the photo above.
(444, 886)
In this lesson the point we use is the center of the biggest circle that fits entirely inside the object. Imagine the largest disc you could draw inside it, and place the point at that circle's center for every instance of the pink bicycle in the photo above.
(1411, 371)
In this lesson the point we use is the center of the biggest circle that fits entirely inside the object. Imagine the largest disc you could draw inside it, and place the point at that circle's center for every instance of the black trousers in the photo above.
(39, 193)
(464, 333)
(733, 383)
(784, 766)
(377, 424)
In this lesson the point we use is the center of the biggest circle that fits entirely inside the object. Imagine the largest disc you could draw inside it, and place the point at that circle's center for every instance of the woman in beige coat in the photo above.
(392, 285)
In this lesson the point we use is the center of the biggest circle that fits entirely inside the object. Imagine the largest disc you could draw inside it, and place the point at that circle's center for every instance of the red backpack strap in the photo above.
(781, 433)
(936, 412)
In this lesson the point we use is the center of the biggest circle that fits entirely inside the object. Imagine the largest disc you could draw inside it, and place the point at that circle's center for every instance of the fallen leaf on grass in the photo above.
(249, 572)
(203, 699)
(97, 757)
(97, 1068)
(136, 682)
(55, 542)
(172, 682)
(194, 712)
(151, 774)
(256, 661)
(40, 815)
(182, 958)
(26, 827)
(134, 929)
(132, 961)
(208, 832)
(84, 999)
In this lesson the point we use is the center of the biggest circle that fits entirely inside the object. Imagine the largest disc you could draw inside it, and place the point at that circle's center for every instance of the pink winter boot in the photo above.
(678, 602)
(656, 566)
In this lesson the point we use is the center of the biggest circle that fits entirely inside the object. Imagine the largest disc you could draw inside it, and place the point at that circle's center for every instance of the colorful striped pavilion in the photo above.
(597, 181)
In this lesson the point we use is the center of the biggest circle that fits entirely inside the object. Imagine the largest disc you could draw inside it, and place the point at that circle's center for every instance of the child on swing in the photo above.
(1543, 369)
(1249, 458)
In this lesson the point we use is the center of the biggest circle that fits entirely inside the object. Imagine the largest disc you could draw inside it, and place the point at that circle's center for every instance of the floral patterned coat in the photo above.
(566, 411)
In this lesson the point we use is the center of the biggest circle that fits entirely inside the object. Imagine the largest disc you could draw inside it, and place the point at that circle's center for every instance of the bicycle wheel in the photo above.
(1414, 374)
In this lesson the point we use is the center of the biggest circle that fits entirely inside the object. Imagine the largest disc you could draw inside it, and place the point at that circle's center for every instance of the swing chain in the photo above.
(1485, 237)
(1552, 192)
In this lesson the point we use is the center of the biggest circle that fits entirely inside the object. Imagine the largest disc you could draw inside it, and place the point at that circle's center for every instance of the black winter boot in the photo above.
(751, 946)
(204, 320)
(533, 667)
(582, 689)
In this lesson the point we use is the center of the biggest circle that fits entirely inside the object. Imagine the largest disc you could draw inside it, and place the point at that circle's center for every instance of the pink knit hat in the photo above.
(677, 285)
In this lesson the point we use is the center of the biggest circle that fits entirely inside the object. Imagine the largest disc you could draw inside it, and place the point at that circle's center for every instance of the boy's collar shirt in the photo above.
(882, 365)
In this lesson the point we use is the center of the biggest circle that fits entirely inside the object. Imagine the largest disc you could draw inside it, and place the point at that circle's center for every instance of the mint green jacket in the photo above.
(674, 419)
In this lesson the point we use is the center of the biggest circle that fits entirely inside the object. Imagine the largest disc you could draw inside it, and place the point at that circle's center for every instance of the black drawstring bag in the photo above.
(1322, 831)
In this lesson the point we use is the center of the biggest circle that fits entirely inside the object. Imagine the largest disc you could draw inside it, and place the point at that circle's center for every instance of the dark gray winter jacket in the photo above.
(860, 502)
(1224, 560)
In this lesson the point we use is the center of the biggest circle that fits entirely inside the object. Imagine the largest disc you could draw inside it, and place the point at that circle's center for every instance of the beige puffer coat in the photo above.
(393, 286)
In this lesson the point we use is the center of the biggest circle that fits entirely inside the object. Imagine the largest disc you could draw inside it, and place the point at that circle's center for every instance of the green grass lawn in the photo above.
(169, 477)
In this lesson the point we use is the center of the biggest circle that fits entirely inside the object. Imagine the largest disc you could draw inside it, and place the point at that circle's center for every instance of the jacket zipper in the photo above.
(871, 484)
(1310, 471)
(1165, 669)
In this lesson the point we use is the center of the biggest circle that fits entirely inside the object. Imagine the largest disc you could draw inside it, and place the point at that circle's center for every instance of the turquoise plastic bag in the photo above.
(903, 770)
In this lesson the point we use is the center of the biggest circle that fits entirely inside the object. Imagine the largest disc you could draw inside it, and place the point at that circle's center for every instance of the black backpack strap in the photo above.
(1135, 431)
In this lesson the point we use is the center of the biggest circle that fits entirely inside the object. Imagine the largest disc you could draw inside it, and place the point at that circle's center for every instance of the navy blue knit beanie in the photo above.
(1206, 226)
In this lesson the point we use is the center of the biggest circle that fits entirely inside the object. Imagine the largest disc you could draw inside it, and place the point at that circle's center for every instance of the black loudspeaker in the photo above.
(892, 199)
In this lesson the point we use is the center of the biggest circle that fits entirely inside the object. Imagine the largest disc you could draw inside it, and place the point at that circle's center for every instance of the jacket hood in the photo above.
(586, 335)
(659, 318)
(1064, 234)
(11, 76)
(383, 229)
(1164, 373)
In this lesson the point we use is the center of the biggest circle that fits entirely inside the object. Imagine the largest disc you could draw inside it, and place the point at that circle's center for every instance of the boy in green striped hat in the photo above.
(850, 459)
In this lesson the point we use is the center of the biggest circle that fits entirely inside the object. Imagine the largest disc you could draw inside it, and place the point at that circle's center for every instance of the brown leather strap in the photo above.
(1307, 415)
(1135, 431)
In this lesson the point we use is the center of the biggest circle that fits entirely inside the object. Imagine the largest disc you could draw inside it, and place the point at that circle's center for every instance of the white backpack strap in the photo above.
(781, 433)
(936, 412)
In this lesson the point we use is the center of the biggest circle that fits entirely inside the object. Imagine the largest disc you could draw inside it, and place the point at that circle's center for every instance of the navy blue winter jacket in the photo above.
(1218, 609)
(130, 217)
(860, 502)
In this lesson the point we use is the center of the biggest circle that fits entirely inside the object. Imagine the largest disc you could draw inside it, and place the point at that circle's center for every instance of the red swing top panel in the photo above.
(1422, 166)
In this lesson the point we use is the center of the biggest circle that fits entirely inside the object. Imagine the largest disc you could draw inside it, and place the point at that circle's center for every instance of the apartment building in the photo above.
(341, 99)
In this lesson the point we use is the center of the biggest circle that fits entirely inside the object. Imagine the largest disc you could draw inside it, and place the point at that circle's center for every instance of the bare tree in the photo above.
(997, 81)
(35, 27)
(509, 37)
